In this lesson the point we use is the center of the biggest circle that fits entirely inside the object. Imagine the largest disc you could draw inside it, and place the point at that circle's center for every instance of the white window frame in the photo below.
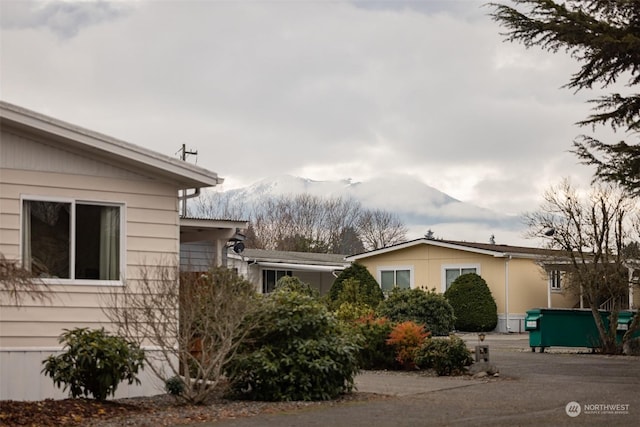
(445, 267)
(555, 280)
(395, 269)
(276, 270)
(72, 237)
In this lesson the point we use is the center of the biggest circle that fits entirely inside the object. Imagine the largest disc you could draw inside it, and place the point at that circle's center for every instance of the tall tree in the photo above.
(604, 37)
(593, 230)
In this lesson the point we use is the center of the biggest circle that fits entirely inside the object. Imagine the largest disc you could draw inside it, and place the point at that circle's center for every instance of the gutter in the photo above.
(185, 197)
(299, 267)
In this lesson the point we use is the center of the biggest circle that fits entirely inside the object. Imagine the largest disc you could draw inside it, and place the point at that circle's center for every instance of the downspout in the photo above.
(506, 294)
(186, 196)
(549, 279)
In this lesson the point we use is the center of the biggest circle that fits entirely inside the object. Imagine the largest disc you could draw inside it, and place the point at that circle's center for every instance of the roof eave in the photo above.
(121, 152)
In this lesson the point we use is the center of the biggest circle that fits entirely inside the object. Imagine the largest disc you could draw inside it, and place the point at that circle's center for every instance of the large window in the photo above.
(451, 273)
(271, 277)
(390, 278)
(72, 240)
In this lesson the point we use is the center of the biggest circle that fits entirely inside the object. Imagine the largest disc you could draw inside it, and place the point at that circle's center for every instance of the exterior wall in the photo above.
(22, 380)
(521, 279)
(322, 281)
(197, 256)
(30, 167)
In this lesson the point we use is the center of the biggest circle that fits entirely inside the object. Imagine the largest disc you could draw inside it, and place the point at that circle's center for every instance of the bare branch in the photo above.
(19, 283)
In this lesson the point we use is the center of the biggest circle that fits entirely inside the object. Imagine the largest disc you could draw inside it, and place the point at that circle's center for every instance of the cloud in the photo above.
(325, 90)
(63, 18)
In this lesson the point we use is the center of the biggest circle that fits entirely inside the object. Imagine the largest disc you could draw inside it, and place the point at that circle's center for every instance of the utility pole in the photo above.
(183, 156)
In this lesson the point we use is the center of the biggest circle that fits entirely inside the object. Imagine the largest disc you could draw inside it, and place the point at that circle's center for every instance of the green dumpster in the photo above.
(561, 327)
(624, 321)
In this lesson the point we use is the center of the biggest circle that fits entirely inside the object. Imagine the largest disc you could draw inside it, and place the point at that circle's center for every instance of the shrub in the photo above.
(174, 386)
(375, 353)
(291, 283)
(349, 312)
(355, 285)
(446, 356)
(406, 338)
(425, 307)
(472, 303)
(94, 363)
(298, 352)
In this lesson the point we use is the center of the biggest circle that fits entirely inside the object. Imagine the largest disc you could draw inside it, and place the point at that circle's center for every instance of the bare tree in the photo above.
(593, 230)
(307, 223)
(219, 205)
(379, 229)
(19, 283)
(197, 321)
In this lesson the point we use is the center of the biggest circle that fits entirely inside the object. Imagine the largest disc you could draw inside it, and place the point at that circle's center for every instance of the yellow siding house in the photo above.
(514, 275)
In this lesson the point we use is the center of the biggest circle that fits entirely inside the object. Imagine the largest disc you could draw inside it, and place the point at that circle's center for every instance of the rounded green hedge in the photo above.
(424, 307)
(472, 303)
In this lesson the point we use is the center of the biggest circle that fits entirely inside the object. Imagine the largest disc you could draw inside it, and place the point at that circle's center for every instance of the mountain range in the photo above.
(420, 206)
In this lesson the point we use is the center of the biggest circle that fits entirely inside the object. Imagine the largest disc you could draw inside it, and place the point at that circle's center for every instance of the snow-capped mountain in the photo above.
(420, 206)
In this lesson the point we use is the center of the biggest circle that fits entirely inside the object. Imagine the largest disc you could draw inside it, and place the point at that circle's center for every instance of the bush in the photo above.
(349, 312)
(406, 338)
(294, 284)
(472, 303)
(446, 356)
(174, 386)
(298, 352)
(355, 285)
(94, 363)
(375, 353)
(424, 307)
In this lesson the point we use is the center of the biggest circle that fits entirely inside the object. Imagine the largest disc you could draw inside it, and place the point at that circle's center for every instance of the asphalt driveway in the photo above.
(558, 387)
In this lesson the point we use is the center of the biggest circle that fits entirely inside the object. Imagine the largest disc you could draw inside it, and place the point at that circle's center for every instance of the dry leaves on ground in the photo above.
(160, 410)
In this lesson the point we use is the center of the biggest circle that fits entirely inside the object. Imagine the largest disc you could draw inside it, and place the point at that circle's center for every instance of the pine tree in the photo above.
(604, 37)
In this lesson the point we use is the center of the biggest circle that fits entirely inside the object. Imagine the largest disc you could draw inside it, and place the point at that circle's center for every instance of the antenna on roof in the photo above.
(184, 153)
(183, 156)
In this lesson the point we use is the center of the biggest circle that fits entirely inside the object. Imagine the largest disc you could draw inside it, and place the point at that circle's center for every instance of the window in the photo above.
(451, 273)
(391, 278)
(271, 277)
(72, 240)
(555, 280)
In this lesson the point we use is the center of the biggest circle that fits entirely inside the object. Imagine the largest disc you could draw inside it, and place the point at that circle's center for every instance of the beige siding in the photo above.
(31, 168)
(29, 152)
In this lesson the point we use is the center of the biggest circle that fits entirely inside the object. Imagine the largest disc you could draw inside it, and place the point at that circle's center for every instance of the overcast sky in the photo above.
(320, 89)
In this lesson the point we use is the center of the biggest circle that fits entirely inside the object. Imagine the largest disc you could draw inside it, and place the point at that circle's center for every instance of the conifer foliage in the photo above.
(604, 37)
(473, 305)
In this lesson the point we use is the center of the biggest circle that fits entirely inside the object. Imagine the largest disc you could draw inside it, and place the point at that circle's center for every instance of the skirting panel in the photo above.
(21, 377)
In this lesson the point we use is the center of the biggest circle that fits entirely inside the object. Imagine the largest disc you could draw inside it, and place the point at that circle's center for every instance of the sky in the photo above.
(325, 90)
